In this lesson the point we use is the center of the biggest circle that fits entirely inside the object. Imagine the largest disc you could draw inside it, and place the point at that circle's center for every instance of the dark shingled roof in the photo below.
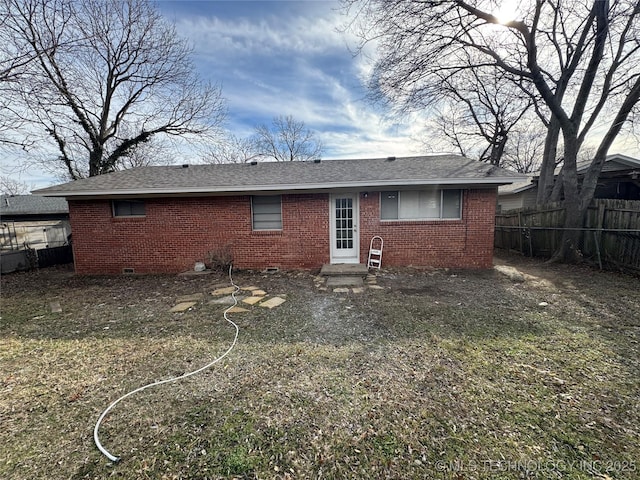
(32, 205)
(612, 163)
(287, 176)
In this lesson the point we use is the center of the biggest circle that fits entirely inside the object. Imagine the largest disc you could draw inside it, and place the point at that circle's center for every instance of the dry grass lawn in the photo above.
(442, 374)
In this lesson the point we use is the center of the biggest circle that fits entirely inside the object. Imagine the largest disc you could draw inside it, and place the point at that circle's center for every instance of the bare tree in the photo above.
(489, 106)
(446, 129)
(526, 146)
(579, 58)
(11, 186)
(286, 140)
(14, 57)
(151, 152)
(481, 107)
(106, 77)
(521, 150)
(13, 61)
(232, 149)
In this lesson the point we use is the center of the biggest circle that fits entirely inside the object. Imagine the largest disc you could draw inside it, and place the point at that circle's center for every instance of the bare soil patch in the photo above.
(441, 374)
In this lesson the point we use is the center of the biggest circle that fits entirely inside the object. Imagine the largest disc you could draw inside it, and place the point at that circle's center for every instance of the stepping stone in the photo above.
(194, 297)
(248, 289)
(342, 281)
(358, 290)
(376, 287)
(252, 300)
(273, 302)
(237, 309)
(56, 307)
(224, 300)
(260, 293)
(223, 291)
(181, 307)
(340, 290)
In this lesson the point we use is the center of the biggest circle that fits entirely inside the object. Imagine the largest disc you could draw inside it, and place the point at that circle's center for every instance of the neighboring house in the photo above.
(33, 221)
(431, 211)
(619, 179)
(518, 194)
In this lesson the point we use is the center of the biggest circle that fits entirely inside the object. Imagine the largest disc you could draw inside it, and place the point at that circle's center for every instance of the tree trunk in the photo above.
(590, 180)
(546, 179)
(556, 193)
(574, 211)
(569, 251)
(497, 149)
(95, 161)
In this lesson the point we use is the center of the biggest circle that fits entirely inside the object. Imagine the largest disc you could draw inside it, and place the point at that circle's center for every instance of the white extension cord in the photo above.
(113, 458)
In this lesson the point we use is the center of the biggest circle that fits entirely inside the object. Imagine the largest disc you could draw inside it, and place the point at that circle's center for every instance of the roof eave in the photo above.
(493, 181)
(517, 190)
(34, 212)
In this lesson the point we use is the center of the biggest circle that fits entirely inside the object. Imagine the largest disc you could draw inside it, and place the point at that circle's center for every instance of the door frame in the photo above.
(334, 256)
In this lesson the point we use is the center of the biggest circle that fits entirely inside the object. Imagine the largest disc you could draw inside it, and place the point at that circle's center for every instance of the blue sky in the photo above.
(289, 58)
(282, 58)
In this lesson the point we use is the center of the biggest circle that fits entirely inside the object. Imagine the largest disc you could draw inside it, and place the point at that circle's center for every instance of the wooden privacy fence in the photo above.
(610, 233)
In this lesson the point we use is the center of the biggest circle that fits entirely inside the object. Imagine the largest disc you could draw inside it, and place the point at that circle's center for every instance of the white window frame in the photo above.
(419, 219)
(253, 218)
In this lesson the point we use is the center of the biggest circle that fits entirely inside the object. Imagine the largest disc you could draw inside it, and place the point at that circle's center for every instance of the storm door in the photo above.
(345, 245)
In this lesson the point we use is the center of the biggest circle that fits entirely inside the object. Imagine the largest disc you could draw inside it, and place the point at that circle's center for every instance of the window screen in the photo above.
(389, 205)
(128, 208)
(420, 204)
(267, 212)
(451, 204)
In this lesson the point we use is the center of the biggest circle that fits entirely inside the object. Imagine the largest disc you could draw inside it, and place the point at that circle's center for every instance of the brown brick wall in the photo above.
(177, 232)
(465, 243)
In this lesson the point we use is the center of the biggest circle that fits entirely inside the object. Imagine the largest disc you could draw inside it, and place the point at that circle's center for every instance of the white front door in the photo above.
(345, 243)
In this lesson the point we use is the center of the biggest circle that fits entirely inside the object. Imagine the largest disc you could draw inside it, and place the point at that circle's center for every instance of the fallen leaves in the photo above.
(460, 367)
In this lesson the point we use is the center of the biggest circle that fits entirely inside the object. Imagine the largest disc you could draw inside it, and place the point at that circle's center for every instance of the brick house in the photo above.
(430, 211)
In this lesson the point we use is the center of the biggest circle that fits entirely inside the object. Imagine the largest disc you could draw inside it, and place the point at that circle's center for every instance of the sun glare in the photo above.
(506, 11)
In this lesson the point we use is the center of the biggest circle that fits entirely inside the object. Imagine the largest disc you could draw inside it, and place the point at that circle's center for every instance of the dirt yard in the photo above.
(439, 374)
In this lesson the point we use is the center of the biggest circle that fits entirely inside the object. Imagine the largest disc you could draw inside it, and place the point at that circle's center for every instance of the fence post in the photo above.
(520, 232)
(597, 235)
(595, 238)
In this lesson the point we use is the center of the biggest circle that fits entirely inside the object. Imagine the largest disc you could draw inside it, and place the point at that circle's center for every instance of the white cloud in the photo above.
(262, 37)
(298, 64)
(292, 60)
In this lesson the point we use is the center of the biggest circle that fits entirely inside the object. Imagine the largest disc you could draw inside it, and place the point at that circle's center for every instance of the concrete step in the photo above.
(344, 281)
(344, 269)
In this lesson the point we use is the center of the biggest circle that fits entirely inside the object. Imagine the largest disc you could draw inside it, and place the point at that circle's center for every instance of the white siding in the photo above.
(509, 202)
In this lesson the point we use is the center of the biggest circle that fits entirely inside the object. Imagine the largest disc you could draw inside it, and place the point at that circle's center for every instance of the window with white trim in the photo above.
(128, 208)
(266, 212)
(433, 204)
